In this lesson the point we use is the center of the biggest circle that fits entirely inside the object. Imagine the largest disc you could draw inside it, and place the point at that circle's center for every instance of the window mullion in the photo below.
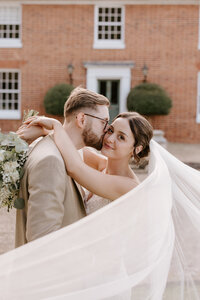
(110, 23)
(108, 89)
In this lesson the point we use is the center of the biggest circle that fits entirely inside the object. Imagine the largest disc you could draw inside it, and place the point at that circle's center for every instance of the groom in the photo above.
(52, 198)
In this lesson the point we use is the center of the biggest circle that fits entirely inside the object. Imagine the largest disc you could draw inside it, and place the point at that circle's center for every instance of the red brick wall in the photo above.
(164, 37)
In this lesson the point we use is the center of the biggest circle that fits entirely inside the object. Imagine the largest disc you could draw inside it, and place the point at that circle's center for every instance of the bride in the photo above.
(137, 247)
(128, 135)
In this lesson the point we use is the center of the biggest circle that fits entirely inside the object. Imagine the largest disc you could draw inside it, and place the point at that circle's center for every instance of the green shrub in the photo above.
(56, 97)
(149, 99)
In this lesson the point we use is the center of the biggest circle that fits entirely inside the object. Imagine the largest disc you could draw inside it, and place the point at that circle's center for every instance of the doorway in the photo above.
(110, 89)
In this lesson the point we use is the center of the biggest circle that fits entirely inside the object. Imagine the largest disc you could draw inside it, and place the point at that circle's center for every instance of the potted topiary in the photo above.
(56, 97)
(150, 99)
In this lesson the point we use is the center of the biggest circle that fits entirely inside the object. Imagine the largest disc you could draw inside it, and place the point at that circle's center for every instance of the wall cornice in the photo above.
(107, 2)
(126, 64)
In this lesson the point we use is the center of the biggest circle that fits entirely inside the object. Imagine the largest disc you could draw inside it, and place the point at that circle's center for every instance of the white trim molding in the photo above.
(10, 115)
(199, 31)
(14, 43)
(198, 98)
(110, 70)
(95, 2)
(112, 2)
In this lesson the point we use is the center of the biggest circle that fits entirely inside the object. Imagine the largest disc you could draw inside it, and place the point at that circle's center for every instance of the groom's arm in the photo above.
(46, 186)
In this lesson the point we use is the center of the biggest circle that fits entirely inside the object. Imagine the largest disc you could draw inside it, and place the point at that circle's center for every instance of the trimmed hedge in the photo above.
(56, 97)
(149, 99)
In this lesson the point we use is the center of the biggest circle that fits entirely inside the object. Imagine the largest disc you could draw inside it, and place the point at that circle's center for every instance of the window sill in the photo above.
(109, 45)
(10, 115)
(15, 43)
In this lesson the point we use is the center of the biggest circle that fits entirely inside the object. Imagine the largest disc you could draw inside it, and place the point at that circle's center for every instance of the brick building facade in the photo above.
(38, 39)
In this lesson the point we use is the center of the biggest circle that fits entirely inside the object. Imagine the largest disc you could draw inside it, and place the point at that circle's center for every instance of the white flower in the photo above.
(15, 176)
(8, 139)
(10, 166)
(8, 155)
(10, 172)
(2, 157)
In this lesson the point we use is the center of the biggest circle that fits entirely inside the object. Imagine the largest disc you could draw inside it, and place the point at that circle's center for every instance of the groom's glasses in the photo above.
(104, 120)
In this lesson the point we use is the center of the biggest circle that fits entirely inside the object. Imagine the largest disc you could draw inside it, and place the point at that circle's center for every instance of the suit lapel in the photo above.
(76, 183)
(79, 188)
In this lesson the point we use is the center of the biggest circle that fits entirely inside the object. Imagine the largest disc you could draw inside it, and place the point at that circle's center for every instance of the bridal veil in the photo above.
(145, 245)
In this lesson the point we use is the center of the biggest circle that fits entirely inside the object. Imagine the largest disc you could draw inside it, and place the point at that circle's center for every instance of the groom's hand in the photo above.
(32, 133)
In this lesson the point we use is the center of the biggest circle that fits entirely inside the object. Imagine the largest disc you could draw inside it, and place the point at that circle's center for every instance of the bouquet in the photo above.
(13, 154)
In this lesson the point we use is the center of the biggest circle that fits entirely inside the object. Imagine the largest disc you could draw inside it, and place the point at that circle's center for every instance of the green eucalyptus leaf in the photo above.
(29, 113)
(21, 173)
(19, 203)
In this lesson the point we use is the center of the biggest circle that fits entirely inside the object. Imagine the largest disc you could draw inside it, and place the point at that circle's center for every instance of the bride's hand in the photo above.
(48, 123)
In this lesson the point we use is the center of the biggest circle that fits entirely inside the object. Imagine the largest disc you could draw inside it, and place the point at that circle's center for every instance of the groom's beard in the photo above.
(91, 139)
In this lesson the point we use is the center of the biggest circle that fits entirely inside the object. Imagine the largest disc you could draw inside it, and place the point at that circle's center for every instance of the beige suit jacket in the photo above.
(52, 198)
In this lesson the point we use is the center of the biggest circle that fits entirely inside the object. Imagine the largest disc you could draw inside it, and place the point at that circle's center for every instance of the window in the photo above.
(9, 94)
(10, 26)
(198, 99)
(109, 27)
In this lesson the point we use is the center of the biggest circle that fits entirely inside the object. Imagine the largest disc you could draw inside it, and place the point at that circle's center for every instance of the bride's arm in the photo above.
(104, 185)
(93, 159)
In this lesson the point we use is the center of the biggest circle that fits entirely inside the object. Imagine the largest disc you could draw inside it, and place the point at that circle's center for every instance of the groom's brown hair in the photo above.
(82, 98)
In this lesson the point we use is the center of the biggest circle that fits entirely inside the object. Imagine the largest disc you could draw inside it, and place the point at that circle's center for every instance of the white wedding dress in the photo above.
(137, 247)
(94, 203)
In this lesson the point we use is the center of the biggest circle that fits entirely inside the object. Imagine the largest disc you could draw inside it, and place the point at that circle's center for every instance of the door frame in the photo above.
(110, 71)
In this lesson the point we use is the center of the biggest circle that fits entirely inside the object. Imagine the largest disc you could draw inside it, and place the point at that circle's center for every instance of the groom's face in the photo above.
(95, 127)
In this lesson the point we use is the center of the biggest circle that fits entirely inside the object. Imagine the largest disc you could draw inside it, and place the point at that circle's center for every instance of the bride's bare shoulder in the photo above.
(94, 159)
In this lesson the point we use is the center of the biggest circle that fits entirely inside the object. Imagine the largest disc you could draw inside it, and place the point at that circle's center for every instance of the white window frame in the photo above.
(198, 98)
(108, 44)
(12, 43)
(12, 114)
(111, 71)
(199, 31)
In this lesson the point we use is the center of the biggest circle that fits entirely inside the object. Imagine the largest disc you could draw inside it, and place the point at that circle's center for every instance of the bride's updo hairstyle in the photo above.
(142, 132)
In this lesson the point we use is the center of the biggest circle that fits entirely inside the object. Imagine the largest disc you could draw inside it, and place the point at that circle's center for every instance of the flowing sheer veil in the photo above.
(138, 247)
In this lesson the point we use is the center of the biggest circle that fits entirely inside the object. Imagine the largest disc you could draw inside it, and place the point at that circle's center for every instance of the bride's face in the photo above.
(118, 141)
